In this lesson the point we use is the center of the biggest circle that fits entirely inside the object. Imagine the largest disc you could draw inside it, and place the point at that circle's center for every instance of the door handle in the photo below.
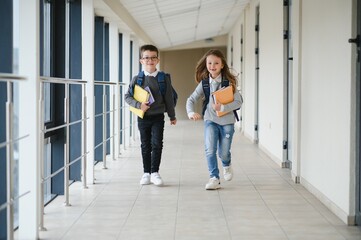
(355, 40)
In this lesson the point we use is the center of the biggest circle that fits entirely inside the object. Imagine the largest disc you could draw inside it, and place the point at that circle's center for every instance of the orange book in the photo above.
(223, 96)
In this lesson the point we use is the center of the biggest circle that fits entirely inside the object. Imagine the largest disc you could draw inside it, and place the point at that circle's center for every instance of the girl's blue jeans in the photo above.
(217, 136)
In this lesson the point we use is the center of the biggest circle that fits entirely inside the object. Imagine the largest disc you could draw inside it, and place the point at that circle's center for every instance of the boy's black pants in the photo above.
(151, 130)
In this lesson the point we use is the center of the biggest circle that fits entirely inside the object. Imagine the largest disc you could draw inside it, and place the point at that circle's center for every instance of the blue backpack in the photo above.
(161, 83)
(207, 92)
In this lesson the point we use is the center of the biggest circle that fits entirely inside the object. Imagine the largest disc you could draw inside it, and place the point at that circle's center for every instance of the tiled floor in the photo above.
(261, 202)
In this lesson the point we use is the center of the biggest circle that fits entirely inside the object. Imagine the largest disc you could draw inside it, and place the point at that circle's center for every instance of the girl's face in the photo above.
(214, 65)
(149, 61)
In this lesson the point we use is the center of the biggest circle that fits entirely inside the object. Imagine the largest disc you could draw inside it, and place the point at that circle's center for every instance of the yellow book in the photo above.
(223, 96)
(142, 96)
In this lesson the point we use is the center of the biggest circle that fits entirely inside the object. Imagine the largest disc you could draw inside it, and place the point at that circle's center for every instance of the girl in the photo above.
(212, 72)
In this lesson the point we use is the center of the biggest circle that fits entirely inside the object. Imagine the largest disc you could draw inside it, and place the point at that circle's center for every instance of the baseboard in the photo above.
(295, 178)
(349, 220)
(278, 161)
(249, 137)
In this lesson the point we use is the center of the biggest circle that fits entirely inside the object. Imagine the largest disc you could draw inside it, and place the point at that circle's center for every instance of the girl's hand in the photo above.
(196, 116)
(216, 106)
(144, 106)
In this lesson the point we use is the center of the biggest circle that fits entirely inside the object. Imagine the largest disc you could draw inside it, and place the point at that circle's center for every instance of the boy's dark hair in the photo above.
(148, 47)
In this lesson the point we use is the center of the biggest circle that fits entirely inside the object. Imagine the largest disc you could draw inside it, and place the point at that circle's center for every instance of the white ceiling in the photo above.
(170, 23)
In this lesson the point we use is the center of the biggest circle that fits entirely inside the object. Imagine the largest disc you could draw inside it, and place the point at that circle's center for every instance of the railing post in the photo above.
(9, 164)
(104, 128)
(41, 156)
(66, 147)
(113, 129)
(84, 136)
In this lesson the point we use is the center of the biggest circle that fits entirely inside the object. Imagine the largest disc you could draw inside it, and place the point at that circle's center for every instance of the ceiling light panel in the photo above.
(172, 22)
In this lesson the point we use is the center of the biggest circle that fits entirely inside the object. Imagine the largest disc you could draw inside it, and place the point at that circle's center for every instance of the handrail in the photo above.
(10, 79)
(46, 130)
(67, 123)
(104, 83)
(107, 98)
(62, 80)
(3, 144)
(104, 115)
(6, 204)
(62, 168)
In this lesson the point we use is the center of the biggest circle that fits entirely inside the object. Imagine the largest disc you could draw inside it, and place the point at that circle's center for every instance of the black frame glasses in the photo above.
(149, 58)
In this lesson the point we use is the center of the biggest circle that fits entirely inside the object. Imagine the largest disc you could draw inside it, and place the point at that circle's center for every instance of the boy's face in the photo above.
(149, 61)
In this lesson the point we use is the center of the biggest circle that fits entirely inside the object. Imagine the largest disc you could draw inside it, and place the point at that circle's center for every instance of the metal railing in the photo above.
(67, 124)
(132, 118)
(9, 145)
(104, 114)
(122, 108)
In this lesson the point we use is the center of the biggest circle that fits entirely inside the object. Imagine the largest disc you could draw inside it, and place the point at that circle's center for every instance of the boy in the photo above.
(151, 127)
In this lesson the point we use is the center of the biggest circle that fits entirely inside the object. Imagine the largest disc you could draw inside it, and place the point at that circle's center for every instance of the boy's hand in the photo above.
(196, 116)
(144, 106)
(173, 122)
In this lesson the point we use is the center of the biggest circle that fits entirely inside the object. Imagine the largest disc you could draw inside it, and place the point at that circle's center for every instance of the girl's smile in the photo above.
(214, 65)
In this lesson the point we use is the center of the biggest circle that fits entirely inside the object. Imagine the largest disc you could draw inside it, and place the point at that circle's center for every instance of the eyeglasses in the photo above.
(149, 58)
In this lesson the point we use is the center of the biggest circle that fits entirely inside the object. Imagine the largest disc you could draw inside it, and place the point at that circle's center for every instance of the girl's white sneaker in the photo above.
(228, 173)
(213, 184)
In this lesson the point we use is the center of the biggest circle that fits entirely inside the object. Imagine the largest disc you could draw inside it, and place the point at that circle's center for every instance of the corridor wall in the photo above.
(323, 160)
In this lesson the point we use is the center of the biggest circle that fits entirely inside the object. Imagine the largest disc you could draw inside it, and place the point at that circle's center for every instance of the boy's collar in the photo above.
(153, 74)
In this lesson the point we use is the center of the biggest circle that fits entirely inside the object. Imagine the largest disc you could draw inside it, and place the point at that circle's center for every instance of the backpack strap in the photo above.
(207, 92)
(140, 78)
(224, 83)
(161, 82)
(139, 82)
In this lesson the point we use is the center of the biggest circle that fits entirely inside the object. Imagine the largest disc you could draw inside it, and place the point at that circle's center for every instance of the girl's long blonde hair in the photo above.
(202, 72)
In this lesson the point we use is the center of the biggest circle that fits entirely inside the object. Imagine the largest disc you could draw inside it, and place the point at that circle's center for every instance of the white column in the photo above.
(88, 75)
(126, 79)
(114, 77)
(29, 121)
(296, 90)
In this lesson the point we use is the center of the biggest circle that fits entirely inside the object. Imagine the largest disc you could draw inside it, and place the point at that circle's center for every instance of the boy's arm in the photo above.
(128, 97)
(168, 99)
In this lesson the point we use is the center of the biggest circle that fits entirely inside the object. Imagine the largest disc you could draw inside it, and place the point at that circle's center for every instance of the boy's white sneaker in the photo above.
(213, 184)
(156, 179)
(145, 180)
(228, 173)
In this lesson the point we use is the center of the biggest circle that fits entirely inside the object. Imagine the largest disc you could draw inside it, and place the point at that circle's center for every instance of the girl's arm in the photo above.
(237, 103)
(192, 99)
